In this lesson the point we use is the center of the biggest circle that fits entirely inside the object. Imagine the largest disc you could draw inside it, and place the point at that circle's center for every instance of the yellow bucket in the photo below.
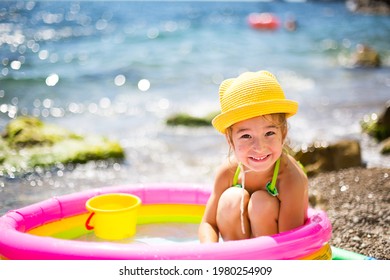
(114, 215)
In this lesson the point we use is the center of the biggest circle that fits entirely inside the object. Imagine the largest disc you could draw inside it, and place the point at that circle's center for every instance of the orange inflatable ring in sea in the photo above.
(266, 21)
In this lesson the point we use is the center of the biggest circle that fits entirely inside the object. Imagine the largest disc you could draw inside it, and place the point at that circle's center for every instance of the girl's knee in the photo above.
(231, 195)
(263, 204)
(263, 212)
(231, 199)
(229, 214)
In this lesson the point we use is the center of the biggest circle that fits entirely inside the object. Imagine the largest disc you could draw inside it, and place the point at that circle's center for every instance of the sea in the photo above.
(119, 69)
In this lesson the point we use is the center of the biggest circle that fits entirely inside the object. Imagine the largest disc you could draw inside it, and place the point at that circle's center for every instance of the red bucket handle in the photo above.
(88, 227)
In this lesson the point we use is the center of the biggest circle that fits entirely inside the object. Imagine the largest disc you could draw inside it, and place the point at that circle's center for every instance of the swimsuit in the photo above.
(271, 186)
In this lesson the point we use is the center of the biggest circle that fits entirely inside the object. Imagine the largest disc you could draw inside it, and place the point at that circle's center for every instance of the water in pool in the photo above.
(156, 233)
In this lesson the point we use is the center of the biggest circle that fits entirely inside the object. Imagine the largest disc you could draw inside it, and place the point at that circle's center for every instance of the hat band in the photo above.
(228, 118)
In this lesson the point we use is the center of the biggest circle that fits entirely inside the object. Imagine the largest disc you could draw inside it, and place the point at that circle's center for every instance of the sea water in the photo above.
(120, 68)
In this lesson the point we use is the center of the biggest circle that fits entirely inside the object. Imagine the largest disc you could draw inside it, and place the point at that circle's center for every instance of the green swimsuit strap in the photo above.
(271, 186)
(235, 178)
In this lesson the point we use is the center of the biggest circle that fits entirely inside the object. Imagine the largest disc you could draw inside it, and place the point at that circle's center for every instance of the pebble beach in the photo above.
(357, 203)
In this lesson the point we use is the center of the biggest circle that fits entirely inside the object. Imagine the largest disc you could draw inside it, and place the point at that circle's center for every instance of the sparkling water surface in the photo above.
(120, 68)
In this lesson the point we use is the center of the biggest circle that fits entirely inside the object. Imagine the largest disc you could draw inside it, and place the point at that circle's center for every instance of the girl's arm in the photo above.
(208, 229)
(293, 198)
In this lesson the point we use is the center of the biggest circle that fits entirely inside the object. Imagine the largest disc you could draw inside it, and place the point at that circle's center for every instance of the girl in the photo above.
(263, 190)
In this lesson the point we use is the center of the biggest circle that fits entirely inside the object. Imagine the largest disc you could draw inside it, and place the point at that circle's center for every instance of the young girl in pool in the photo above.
(263, 190)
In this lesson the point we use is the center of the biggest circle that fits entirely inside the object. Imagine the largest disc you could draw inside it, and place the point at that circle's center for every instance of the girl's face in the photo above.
(257, 142)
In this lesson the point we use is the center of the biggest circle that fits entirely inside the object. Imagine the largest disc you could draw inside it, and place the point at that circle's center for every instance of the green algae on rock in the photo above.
(372, 127)
(185, 119)
(378, 127)
(27, 142)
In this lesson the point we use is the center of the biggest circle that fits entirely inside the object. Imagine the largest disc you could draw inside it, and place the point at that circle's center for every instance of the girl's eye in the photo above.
(270, 133)
(245, 136)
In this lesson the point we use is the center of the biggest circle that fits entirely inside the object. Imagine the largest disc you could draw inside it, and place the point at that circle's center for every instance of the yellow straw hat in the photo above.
(250, 95)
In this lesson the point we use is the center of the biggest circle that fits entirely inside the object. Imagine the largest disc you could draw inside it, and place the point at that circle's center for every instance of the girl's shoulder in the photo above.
(225, 173)
(292, 165)
(292, 176)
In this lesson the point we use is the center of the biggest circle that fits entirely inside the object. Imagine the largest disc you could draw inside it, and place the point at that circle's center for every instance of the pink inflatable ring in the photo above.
(45, 230)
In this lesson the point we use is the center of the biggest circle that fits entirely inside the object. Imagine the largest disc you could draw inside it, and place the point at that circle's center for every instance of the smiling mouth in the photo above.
(260, 158)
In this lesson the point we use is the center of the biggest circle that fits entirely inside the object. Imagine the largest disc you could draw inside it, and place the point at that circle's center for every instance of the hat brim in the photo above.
(224, 120)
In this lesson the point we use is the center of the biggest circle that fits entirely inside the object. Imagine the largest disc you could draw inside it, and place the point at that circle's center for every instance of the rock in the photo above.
(28, 131)
(385, 150)
(27, 143)
(365, 57)
(378, 126)
(4, 150)
(188, 120)
(379, 7)
(340, 155)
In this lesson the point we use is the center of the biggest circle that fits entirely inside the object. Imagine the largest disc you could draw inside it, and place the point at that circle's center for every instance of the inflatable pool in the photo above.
(50, 229)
